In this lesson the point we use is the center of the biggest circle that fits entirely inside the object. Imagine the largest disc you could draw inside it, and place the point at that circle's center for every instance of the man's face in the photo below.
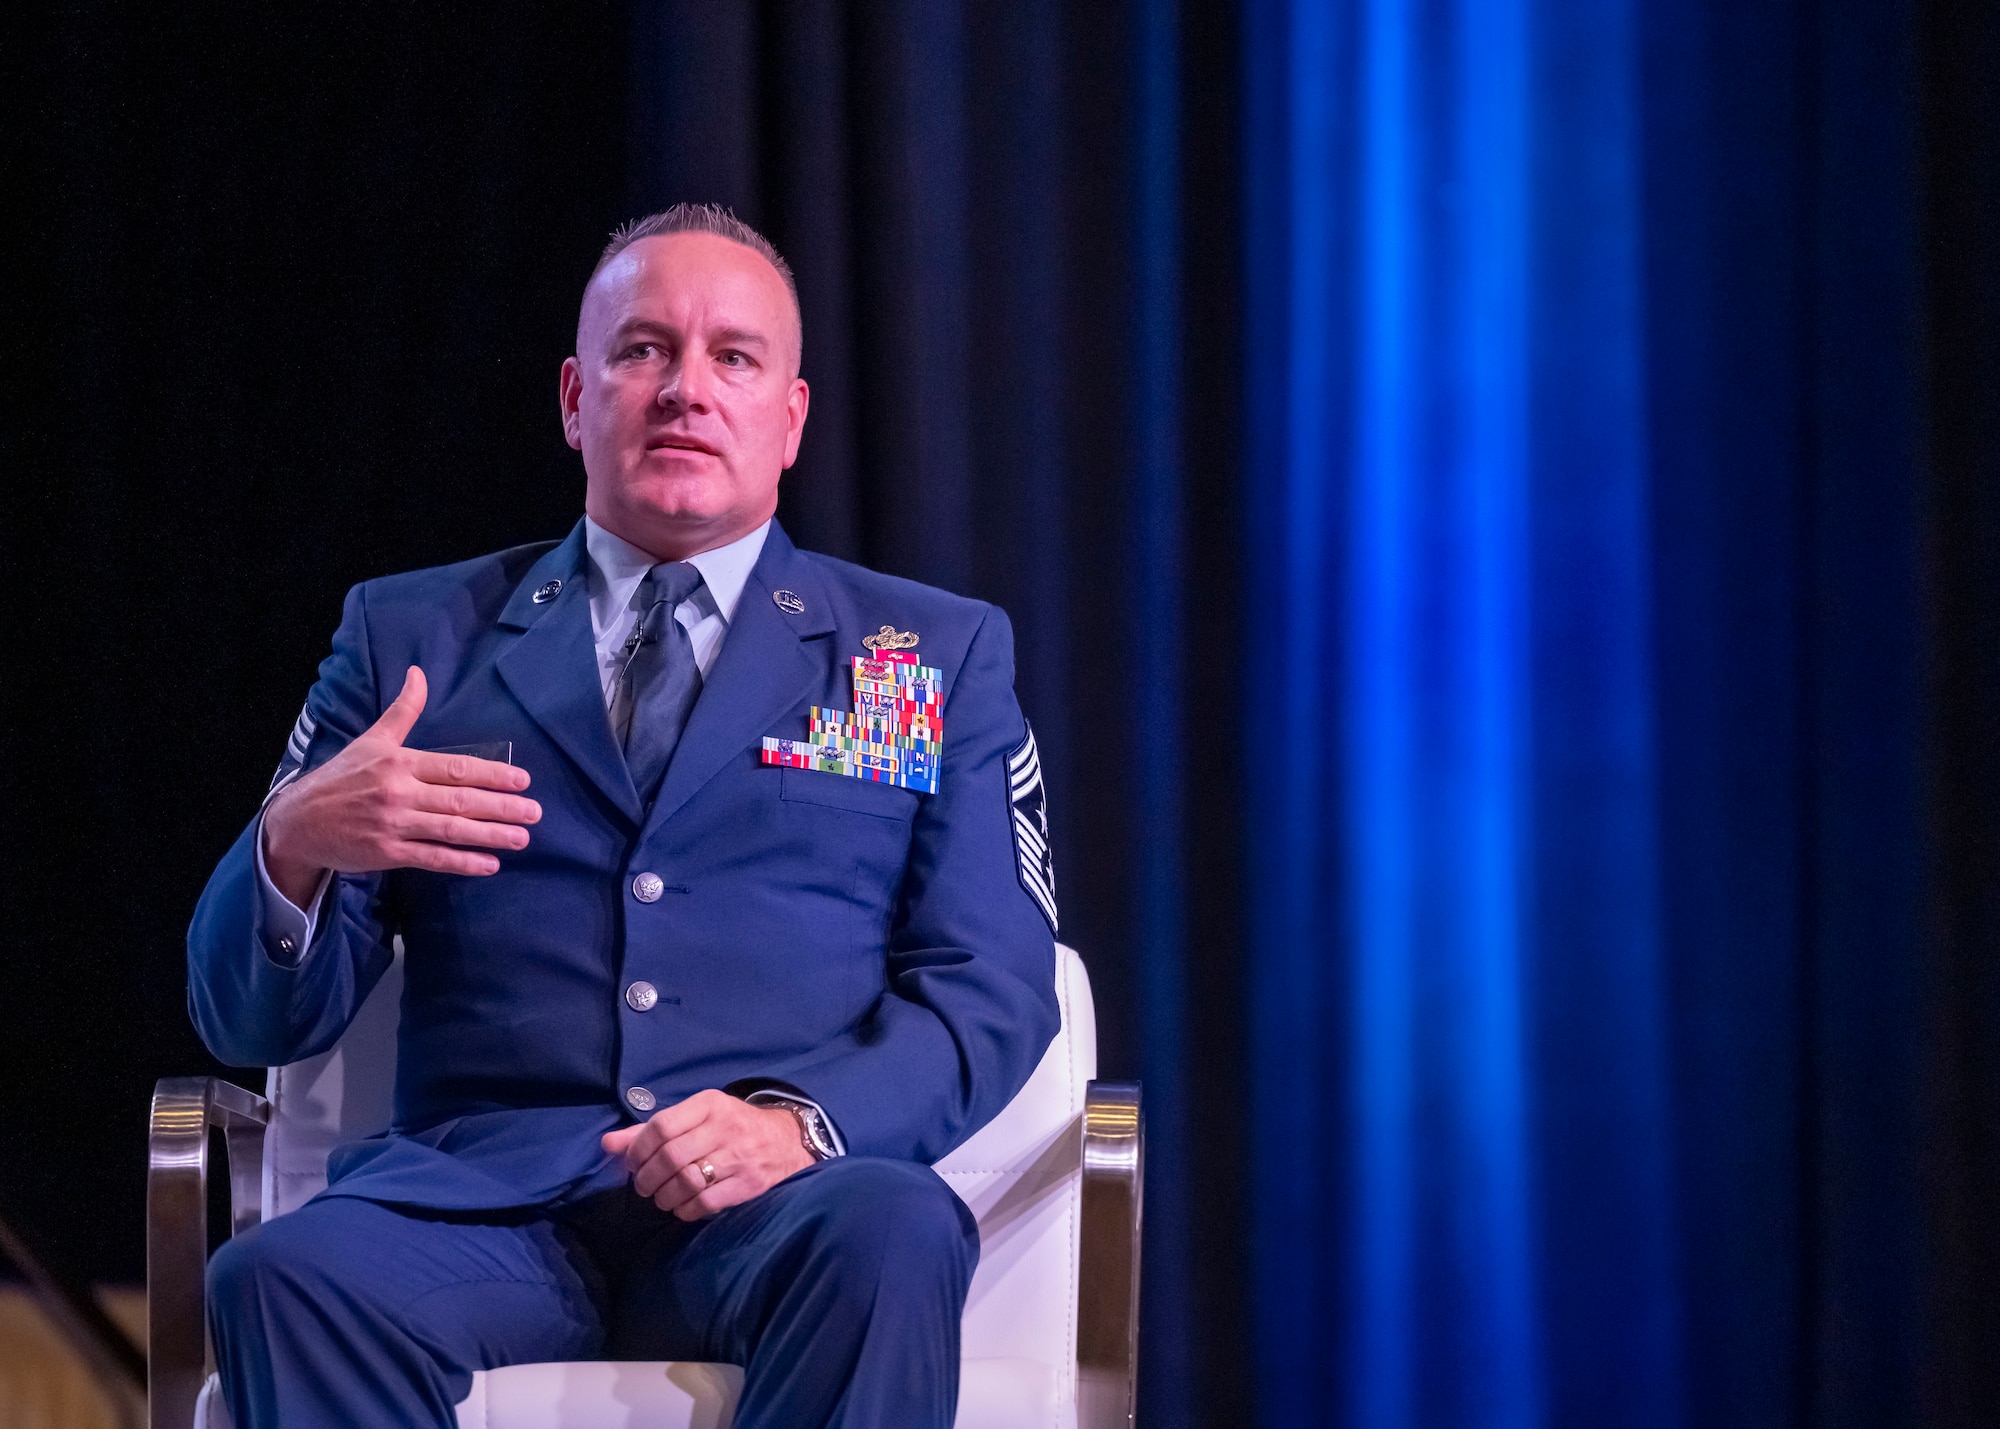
(683, 395)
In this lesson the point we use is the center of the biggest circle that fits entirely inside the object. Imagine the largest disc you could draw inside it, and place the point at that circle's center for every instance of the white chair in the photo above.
(1051, 1323)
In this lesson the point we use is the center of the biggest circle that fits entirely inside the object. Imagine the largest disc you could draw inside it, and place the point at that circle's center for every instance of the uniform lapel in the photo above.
(762, 672)
(551, 668)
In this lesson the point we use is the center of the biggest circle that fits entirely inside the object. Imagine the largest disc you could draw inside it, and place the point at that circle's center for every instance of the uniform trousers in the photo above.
(839, 1291)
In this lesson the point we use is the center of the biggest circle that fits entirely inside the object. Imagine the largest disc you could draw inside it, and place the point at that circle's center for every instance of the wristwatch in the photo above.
(814, 1134)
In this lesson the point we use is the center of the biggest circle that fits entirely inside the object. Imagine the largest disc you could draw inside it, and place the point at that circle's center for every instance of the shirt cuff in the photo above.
(768, 1096)
(288, 929)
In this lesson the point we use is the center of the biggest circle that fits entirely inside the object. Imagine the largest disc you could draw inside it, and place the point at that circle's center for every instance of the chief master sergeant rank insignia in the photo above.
(1033, 860)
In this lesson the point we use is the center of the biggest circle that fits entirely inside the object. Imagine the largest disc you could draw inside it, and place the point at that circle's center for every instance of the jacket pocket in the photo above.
(857, 796)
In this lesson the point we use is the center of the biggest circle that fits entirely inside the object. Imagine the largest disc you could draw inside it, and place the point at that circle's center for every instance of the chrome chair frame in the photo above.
(187, 1109)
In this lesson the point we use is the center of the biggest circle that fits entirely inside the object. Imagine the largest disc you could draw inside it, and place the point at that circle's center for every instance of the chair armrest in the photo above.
(1107, 1331)
(185, 1110)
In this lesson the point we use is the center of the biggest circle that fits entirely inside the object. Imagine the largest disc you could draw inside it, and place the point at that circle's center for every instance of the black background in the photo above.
(292, 295)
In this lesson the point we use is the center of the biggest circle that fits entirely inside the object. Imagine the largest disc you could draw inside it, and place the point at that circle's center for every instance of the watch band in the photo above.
(813, 1133)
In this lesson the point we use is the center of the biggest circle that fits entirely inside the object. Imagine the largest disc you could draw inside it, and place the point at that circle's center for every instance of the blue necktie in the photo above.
(658, 685)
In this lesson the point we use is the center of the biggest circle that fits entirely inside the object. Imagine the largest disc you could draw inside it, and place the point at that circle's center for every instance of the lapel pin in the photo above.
(890, 638)
(788, 602)
(548, 592)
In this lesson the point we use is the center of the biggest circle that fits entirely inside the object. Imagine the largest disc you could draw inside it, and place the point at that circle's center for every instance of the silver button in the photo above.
(647, 888)
(641, 996)
(640, 1098)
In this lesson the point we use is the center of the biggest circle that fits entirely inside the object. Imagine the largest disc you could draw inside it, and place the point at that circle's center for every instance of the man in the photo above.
(685, 1022)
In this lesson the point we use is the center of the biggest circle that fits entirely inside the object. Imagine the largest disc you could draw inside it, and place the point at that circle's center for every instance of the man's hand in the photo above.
(749, 1148)
(377, 805)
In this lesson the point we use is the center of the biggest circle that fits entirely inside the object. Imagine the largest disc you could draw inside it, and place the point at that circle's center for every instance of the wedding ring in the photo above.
(707, 1169)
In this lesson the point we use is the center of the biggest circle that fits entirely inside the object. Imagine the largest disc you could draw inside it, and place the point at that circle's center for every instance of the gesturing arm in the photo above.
(361, 805)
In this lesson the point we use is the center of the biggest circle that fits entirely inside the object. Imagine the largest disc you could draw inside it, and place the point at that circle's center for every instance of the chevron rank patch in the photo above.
(1033, 860)
(296, 748)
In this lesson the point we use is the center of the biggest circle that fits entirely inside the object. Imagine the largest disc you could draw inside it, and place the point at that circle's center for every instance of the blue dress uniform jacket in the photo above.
(867, 946)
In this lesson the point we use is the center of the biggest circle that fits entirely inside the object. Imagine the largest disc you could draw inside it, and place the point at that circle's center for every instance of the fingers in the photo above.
(677, 1166)
(401, 716)
(650, 1137)
(469, 803)
(719, 1197)
(615, 1142)
(438, 858)
(701, 1201)
(670, 1122)
(419, 827)
(463, 769)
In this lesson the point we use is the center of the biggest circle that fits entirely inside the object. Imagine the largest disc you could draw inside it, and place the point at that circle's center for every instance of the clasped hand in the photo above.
(376, 805)
(749, 1149)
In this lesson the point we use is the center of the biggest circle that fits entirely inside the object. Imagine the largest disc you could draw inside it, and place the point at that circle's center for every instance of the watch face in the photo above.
(815, 1128)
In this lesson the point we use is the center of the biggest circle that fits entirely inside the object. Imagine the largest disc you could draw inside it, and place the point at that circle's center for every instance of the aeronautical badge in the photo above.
(296, 749)
(890, 638)
(1033, 860)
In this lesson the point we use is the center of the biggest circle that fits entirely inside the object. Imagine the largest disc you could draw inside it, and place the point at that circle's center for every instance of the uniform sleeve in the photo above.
(269, 983)
(291, 926)
(970, 1004)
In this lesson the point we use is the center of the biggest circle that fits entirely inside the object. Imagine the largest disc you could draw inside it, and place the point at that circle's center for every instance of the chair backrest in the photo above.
(1021, 1174)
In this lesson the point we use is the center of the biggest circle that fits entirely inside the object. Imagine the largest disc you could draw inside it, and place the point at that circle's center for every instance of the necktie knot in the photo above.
(660, 594)
(670, 581)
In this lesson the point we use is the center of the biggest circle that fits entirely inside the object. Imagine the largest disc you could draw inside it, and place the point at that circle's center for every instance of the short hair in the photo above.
(703, 218)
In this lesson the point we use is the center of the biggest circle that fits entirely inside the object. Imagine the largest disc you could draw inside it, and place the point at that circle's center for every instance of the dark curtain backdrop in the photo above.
(288, 291)
(1526, 465)
(297, 289)
(1012, 225)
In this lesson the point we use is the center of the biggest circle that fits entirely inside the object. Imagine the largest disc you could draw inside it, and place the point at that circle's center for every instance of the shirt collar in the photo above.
(724, 570)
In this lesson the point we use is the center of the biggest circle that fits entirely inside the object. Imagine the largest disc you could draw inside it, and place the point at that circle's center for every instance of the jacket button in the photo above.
(641, 996)
(639, 1098)
(647, 888)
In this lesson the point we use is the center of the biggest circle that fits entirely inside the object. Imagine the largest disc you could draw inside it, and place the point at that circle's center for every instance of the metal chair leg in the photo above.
(1114, 1172)
(185, 1110)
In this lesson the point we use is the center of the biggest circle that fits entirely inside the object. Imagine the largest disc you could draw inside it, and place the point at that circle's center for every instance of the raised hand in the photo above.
(377, 805)
(749, 1149)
